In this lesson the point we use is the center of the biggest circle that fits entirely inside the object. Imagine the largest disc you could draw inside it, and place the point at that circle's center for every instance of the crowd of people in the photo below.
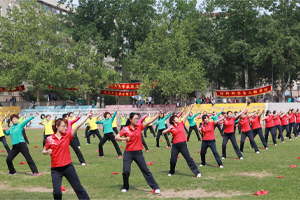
(61, 133)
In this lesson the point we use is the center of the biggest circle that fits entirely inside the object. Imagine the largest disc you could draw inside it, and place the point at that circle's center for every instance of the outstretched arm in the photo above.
(219, 121)
(152, 119)
(180, 114)
(238, 115)
(167, 130)
(81, 122)
(5, 117)
(141, 120)
(187, 114)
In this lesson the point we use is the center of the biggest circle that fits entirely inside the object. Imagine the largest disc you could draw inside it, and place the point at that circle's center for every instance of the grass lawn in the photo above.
(239, 179)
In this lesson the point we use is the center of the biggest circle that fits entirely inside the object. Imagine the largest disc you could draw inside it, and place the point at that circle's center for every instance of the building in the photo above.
(6, 6)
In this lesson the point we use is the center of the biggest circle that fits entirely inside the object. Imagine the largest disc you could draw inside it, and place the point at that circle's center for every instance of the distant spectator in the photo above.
(177, 104)
(235, 100)
(261, 100)
(213, 102)
(229, 100)
(133, 103)
(254, 100)
(32, 105)
(224, 100)
(55, 105)
(152, 102)
(248, 101)
(64, 105)
(295, 99)
(93, 104)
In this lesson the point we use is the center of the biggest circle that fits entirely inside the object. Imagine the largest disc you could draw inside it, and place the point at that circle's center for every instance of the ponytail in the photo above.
(131, 115)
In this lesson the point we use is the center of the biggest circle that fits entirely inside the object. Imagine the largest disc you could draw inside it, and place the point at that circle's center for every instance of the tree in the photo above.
(164, 56)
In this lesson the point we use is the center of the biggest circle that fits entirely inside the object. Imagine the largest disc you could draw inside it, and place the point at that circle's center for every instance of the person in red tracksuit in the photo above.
(269, 127)
(133, 151)
(277, 124)
(298, 120)
(292, 123)
(284, 124)
(257, 129)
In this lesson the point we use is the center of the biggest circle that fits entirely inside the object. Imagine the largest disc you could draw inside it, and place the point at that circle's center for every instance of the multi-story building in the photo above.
(6, 6)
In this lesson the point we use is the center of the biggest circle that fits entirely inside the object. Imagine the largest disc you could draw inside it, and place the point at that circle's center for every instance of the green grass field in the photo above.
(239, 179)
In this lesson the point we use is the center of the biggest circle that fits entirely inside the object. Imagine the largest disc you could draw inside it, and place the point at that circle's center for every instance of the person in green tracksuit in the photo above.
(108, 133)
(20, 120)
(19, 145)
(215, 117)
(193, 126)
(161, 127)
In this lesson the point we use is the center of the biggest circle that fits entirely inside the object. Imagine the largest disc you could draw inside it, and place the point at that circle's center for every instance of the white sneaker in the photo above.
(285, 137)
(257, 152)
(221, 166)
(123, 190)
(250, 147)
(170, 174)
(241, 158)
(79, 147)
(201, 165)
(198, 175)
(275, 144)
(267, 148)
(83, 164)
(282, 141)
(223, 158)
(87, 143)
(291, 139)
(157, 191)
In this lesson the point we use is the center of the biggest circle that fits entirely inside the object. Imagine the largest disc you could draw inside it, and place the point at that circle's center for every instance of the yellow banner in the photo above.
(227, 107)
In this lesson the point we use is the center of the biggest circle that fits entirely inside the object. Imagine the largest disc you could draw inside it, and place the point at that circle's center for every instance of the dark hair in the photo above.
(204, 117)
(292, 109)
(162, 116)
(105, 114)
(223, 113)
(229, 111)
(267, 112)
(69, 113)
(14, 116)
(274, 112)
(131, 115)
(42, 116)
(58, 122)
(172, 118)
(64, 115)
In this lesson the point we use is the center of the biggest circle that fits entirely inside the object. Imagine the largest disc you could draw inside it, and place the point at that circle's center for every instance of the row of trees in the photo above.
(184, 47)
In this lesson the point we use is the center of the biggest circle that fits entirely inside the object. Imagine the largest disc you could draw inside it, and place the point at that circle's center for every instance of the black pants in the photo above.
(248, 134)
(104, 139)
(79, 155)
(182, 148)
(158, 136)
(122, 127)
(239, 128)
(87, 130)
(260, 133)
(24, 136)
(273, 133)
(231, 137)
(3, 140)
(16, 149)
(298, 127)
(220, 128)
(68, 171)
(144, 143)
(294, 126)
(156, 128)
(279, 128)
(139, 159)
(212, 145)
(286, 128)
(76, 139)
(190, 131)
(44, 140)
(151, 130)
(186, 131)
(115, 130)
(96, 132)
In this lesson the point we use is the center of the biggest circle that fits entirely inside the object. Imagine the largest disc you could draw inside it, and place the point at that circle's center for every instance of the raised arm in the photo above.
(141, 120)
(197, 114)
(252, 114)
(5, 117)
(152, 119)
(23, 124)
(179, 115)
(27, 115)
(238, 115)
(169, 115)
(187, 114)
(52, 114)
(219, 121)
(81, 122)
(114, 115)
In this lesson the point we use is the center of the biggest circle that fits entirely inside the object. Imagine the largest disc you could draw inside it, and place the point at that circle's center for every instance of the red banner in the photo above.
(70, 89)
(124, 86)
(12, 89)
(119, 93)
(244, 93)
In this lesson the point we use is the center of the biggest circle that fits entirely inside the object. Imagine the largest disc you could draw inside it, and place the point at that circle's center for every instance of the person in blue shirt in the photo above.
(193, 126)
(161, 127)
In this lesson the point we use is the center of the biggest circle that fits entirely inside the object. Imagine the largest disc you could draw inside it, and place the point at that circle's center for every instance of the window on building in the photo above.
(46, 8)
(298, 86)
(0, 11)
(53, 10)
(10, 93)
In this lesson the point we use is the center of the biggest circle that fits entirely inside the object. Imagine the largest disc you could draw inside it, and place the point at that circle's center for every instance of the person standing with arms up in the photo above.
(269, 127)
(277, 124)
(133, 150)
(149, 127)
(108, 133)
(2, 136)
(193, 126)
(284, 124)
(229, 134)
(20, 120)
(48, 127)
(179, 144)
(19, 145)
(256, 127)
(57, 146)
(92, 123)
(161, 127)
